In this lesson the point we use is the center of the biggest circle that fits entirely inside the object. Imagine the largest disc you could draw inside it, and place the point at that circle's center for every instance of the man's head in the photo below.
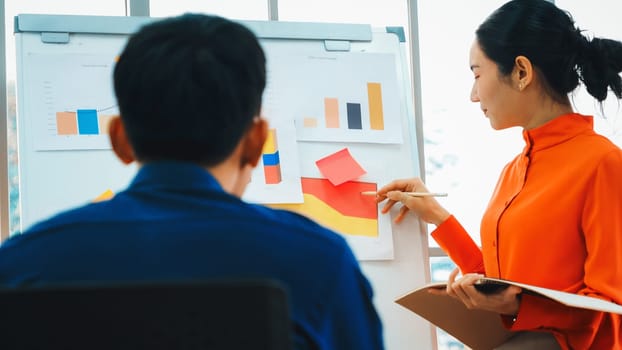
(189, 89)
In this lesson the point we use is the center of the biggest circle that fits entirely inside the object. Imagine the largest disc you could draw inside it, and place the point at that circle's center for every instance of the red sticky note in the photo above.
(340, 167)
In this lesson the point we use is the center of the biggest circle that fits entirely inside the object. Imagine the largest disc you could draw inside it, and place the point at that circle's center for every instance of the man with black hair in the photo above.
(189, 90)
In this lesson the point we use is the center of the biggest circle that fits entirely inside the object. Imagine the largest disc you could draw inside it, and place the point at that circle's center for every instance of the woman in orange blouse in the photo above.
(555, 217)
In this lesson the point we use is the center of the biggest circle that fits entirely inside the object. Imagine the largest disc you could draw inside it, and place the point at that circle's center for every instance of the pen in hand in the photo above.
(412, 194)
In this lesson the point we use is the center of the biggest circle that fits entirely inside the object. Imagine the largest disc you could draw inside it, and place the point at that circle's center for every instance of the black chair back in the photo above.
(203, 315)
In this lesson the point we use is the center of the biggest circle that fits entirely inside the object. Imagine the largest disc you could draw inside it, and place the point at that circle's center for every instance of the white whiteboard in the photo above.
(56, 55)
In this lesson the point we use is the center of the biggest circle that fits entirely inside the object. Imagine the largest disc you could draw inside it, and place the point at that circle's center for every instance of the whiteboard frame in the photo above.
(82, 24)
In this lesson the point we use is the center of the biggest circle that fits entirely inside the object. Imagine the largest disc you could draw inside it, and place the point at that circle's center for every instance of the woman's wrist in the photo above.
(441, 216)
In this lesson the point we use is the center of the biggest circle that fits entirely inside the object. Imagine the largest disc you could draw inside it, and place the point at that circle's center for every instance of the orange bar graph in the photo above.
(66, 123)
(310, 122)
(272, 174)
(374, 96)
(331, 112)
(104, 121)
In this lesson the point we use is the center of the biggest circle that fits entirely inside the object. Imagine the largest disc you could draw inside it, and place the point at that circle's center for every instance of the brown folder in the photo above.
(483, 330)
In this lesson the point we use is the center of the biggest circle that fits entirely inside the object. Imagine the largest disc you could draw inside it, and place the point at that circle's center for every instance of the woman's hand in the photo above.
(505, 302)
(426, 208)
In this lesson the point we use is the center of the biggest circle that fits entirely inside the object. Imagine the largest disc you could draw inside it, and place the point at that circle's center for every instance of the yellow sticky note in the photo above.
(106, 195)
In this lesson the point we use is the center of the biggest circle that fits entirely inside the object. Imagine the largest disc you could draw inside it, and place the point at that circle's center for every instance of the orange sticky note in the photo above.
(340, 167)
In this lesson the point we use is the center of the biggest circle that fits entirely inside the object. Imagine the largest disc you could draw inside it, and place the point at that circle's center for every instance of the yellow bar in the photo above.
(270, 146)
(376, 117)
(331, 112)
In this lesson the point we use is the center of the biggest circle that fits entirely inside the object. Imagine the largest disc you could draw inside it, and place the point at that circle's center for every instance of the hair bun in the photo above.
(582, 45)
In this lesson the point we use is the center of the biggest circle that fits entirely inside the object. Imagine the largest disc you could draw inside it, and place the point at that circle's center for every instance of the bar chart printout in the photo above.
(353, 111)
(361, 105)
(72, 111)
(276, 178)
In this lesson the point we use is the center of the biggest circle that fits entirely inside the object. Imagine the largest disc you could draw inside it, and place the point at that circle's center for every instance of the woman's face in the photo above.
(498, 99)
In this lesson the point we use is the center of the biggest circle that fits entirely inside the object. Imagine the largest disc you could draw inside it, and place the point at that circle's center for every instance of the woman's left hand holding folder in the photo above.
(504, 302)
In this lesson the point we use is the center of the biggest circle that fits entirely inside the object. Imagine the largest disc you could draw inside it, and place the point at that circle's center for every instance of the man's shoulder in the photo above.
(83, 213)
(248, 221)
(56, 222)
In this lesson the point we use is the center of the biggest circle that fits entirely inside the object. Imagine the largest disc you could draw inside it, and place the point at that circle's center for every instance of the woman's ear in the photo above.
(119, 141)
(254, 142)
(522, 75)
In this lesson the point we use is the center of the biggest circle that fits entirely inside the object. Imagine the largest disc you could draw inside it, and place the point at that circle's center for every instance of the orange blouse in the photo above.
(554, 220)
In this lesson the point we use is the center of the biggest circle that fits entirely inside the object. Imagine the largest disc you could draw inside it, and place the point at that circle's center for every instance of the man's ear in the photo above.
(254, 141)
(522, 74)
(119, 141)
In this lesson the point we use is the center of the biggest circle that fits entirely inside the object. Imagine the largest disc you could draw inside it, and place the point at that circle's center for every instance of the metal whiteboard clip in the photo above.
(55, 38)
(337, 45)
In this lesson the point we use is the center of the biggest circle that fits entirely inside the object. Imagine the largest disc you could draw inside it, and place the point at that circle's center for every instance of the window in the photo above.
(464, 156)
(235, 9)
(385, 13)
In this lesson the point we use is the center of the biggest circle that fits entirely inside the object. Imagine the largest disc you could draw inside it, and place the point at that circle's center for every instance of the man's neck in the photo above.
(232, 176)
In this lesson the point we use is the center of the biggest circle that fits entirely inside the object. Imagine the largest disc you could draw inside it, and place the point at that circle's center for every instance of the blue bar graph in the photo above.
(271, 159)
(87, 122)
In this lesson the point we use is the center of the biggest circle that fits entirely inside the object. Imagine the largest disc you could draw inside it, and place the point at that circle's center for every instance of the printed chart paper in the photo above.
(276, 179)
(343, 97)
(70, 111)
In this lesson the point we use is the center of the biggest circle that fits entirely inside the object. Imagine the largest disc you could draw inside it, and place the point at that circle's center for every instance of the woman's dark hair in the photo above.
(560, 53)
(188, 88)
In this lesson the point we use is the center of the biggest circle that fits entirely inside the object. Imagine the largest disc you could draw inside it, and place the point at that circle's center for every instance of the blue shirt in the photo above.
(175, 222)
